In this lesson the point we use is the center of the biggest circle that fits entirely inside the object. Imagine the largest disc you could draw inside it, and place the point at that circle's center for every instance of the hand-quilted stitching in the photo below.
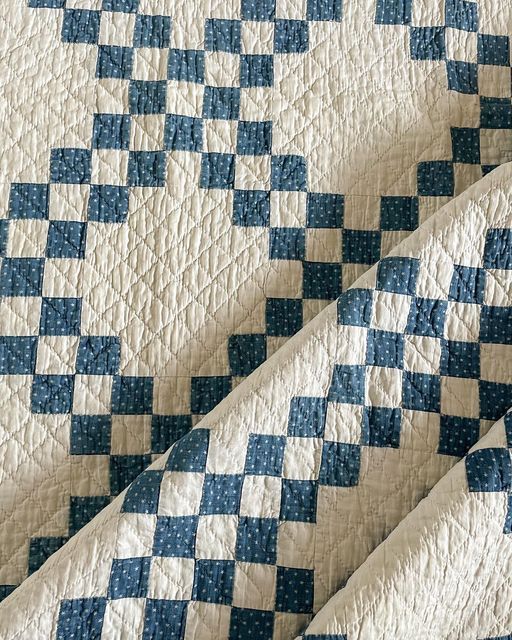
(285, 243)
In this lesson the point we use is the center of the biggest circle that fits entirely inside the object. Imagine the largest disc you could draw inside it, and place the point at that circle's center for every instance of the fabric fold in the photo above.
(444, 571)
(262, 511)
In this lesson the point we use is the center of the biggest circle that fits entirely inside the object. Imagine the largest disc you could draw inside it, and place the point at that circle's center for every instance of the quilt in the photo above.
(255, 319)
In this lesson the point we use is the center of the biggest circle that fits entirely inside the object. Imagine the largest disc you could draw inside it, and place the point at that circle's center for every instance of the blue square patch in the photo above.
(324, 210)
(258, 9)
(489, 470)
(258, 624)
(462, 77)
(4, 236)
(381, 427)
(466, 145)
(298, 500)
(287, 243)
(21, 276)
(256, 70)
(17, 355)
(213, 581)
(393, 12)
(265, 455)
(348, 384)
(467, 285)
(223, 35)
(460, 359)
(175, 536)
(46, 4)
(494, 399)
(143, 494)
(498, 249)
(147, 97)
(361, 247)
(221, 494)
(108, 203)
(324, 10)
(52, 394)
(186, 65)
(81, 618)
(496, 325)
(399, 213)
(398, 275)
(81, 25)
(288, 173)
(146, 169)
(283, 316)
(307, 417)
(98, 355)
(321, 280)
(90, 434)
(28, 200)
(291, 36)
(385, 349)
(421, 391)
(355, 307)
(114, 62)
(217, 171)
(426, 317)
(129, 578)
(132, 395)
(340, 464)
(83, 509)
(125, 469)
(170, 615)
(183, 133)
(493, 50)
(71, 166)
(66, 239)
(152, 31)
(41, 549)
(436, 178)
(256, 540)
(123, 6)
(207, 392)
(254, 138)
(251, 208)
(294, 590)
(495, 113)
(461, 14)
(458, 435)
(60, 317)
(246, 352)
(190, 452)
(427, 43)
(111, 131)
(166, 430)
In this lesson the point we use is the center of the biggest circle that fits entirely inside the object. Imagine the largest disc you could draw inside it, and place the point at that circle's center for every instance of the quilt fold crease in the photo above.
(281, 537)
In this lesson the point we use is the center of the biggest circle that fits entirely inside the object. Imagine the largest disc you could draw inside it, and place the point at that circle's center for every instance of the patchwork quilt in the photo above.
(255, 319)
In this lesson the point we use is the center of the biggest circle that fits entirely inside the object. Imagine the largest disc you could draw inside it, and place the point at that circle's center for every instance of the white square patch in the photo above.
(171, 578)
(459, 397)
(383, 387)
(180, 493)
(216, 537)
(261, 497)
(302, 458)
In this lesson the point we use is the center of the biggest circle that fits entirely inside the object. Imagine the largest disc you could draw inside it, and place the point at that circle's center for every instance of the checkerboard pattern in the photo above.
(116, 428)
(115, 424)
(219, 553)
(477, 63)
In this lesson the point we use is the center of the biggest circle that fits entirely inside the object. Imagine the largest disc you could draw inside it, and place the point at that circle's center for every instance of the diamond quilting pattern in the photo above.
(206, 107)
